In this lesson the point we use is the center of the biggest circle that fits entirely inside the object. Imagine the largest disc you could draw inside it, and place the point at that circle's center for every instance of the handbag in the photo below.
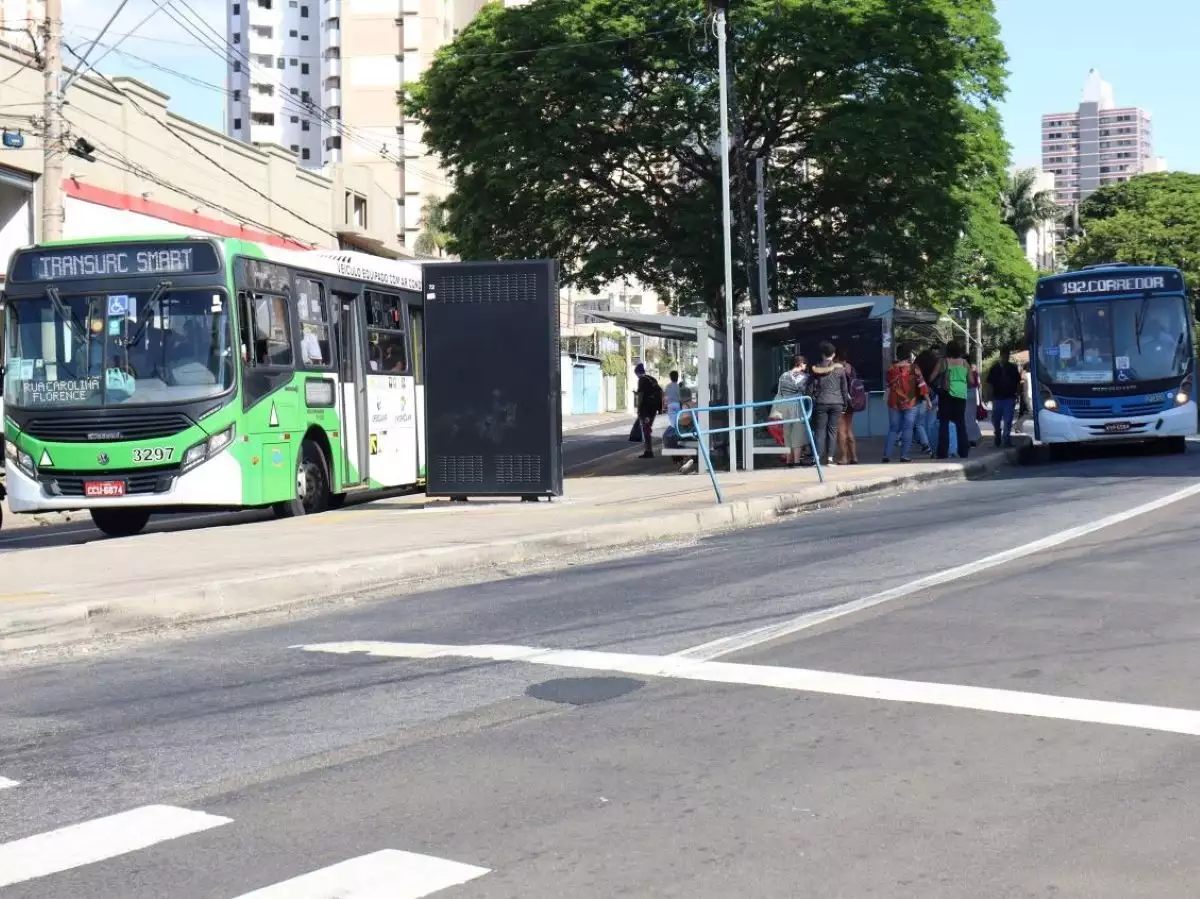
(635, 433)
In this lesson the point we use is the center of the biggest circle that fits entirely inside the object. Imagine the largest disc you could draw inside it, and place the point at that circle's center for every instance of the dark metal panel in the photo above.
(492, 391)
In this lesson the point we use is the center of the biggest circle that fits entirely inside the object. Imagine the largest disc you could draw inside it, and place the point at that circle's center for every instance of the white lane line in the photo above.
(984, 699)
(5, 783)
(388, 874)
(756, 636)
(99, 839)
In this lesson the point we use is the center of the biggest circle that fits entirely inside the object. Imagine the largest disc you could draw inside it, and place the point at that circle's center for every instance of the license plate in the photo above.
(103, 488)
(1117, 427)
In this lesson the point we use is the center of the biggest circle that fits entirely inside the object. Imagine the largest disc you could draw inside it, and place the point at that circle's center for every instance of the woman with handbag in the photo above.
(950, 379)
(793, 384)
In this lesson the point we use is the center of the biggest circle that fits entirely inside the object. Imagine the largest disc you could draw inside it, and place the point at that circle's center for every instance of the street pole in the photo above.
(760, 187)
(53, 142)
(726, 234)
(979, 342)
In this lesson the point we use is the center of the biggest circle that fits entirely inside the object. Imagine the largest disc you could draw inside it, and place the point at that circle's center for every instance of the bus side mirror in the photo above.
(1029, 335)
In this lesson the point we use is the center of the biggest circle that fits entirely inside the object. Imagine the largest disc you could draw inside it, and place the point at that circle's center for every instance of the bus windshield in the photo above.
(117, 349)
(1114, 341)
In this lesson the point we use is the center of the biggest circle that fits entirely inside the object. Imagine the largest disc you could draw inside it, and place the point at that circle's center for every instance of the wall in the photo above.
(151, 163)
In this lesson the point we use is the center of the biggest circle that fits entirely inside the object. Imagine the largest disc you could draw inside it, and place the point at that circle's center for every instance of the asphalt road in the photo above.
(583, 450)
(892, 775)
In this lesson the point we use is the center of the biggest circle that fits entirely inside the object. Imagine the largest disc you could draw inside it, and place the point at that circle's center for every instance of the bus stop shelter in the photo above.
(862, 326)
(711, 359)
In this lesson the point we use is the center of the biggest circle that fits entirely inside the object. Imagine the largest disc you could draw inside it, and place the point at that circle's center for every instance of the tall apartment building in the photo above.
(324, 78)
(1098, 144)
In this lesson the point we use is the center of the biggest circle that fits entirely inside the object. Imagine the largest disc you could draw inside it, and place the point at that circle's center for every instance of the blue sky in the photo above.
(1146, 49)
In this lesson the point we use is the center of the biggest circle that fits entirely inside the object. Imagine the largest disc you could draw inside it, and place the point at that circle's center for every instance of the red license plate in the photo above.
(103, 488)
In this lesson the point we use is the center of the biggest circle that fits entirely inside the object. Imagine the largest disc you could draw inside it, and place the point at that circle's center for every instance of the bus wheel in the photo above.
(312, 484)
(120, 522)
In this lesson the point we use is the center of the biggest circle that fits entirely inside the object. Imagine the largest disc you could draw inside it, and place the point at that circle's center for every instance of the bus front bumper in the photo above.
(1058, 428)
(217, 482)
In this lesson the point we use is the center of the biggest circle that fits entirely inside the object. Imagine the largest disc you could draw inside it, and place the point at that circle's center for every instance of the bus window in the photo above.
(272, 331)
(314, 324)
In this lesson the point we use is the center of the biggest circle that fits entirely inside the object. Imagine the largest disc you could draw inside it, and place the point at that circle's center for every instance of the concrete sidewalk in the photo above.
(61, 594)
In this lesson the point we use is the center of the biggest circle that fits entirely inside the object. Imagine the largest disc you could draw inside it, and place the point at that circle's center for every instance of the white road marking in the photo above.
(99, 839)
(984, 699)
(756, 636)
(388, 874)
(5, 783)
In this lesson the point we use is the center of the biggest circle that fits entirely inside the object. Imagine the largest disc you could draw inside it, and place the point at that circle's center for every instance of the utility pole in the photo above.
(719, 25)
(53, 141)
(760, 187)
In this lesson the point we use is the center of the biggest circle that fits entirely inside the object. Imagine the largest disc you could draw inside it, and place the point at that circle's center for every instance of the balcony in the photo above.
(332, 67)
(333, 97)
(332, 37)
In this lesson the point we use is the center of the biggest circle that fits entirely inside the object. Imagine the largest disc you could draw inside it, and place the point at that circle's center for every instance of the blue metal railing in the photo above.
(699, 432)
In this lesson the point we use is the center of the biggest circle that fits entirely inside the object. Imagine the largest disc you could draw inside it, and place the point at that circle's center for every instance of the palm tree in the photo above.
(1026, 207)
(434, 237)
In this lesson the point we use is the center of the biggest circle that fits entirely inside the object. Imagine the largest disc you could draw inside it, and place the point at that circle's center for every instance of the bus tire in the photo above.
(312, 484)
(120, 522)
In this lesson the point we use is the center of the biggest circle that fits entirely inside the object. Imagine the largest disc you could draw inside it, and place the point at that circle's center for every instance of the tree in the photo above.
(1147, 220)
(434, 236)
(1026, 207)
(586, 130)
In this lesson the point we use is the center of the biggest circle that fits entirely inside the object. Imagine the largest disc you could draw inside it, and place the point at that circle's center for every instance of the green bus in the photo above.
(147, 375)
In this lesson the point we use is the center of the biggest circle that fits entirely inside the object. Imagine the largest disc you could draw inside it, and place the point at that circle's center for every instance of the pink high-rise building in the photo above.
(1098, 144)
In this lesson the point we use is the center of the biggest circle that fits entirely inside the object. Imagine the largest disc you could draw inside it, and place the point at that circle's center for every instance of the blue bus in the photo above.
(1112, 357)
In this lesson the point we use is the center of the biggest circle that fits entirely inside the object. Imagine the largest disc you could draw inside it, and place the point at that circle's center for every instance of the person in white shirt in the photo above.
(671, 391)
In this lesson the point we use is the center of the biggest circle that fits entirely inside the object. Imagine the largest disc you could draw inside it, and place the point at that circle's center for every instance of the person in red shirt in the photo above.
(907, 391)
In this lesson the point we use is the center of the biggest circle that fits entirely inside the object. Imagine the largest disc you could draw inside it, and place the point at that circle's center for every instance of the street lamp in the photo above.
(719, 28)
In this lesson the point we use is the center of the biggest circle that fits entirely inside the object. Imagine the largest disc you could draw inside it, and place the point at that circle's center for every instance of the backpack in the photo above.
(652, 396)
(858, 391)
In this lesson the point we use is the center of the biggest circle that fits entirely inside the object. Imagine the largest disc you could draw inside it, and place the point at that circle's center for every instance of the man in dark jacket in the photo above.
(830, 391)
(1005, 381)
(649, 397)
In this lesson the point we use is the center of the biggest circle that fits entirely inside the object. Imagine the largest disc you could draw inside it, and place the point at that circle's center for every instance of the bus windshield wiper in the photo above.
(151, 306)
(65, 313)
(1140, 322)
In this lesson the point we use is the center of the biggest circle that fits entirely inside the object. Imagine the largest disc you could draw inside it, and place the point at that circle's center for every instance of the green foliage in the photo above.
(434, 236)
(585, 130)
(1148, 220)
(988, 273)
(1026, 207)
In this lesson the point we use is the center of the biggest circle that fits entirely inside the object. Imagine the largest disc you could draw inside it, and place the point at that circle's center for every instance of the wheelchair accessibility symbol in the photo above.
(118, 305)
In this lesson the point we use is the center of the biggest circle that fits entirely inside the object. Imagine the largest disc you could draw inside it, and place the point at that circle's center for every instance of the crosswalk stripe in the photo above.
(387, 874)
(99, 839)
(5, 783)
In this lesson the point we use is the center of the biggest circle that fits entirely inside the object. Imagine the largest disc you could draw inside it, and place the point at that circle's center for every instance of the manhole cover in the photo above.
(584, 690)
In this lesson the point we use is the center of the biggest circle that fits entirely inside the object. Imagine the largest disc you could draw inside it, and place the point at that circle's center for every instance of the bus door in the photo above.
(416, 317)
(352, 402)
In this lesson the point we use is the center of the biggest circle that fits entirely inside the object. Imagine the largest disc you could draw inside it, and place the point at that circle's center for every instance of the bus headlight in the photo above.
(206, 449)
(1049, 404)
(21, 459)
(1181, 398)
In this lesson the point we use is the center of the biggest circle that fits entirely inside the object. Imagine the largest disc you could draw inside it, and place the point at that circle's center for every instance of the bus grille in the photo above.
(1085, 408)
(138, 482)
(111, 425)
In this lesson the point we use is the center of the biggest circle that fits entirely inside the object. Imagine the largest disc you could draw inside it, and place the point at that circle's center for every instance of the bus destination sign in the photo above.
(115, 261)
(1097, 285)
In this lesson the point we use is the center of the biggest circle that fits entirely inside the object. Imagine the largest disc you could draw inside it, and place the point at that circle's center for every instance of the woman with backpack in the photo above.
(847, 445)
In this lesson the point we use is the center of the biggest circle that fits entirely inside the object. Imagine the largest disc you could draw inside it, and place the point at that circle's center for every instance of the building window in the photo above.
(237, 124)
(304, 37)
(237, 37)
(280, 63)
(292, 63)
(267, 90)
(305, 97)
(294, 119)
(295, 148)
(237, 96)
(293, 33)
(237, 9)
(262, 118)
(264, 4)
(294, 91)
(263, 30)
(333, 143)
(237, 67)
(303, 68)
(305, 154)
(264, 61)
(304, 12)
(305, 126)
(333, 83)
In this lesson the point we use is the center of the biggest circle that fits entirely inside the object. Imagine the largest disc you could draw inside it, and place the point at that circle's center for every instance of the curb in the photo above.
(411, 571)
